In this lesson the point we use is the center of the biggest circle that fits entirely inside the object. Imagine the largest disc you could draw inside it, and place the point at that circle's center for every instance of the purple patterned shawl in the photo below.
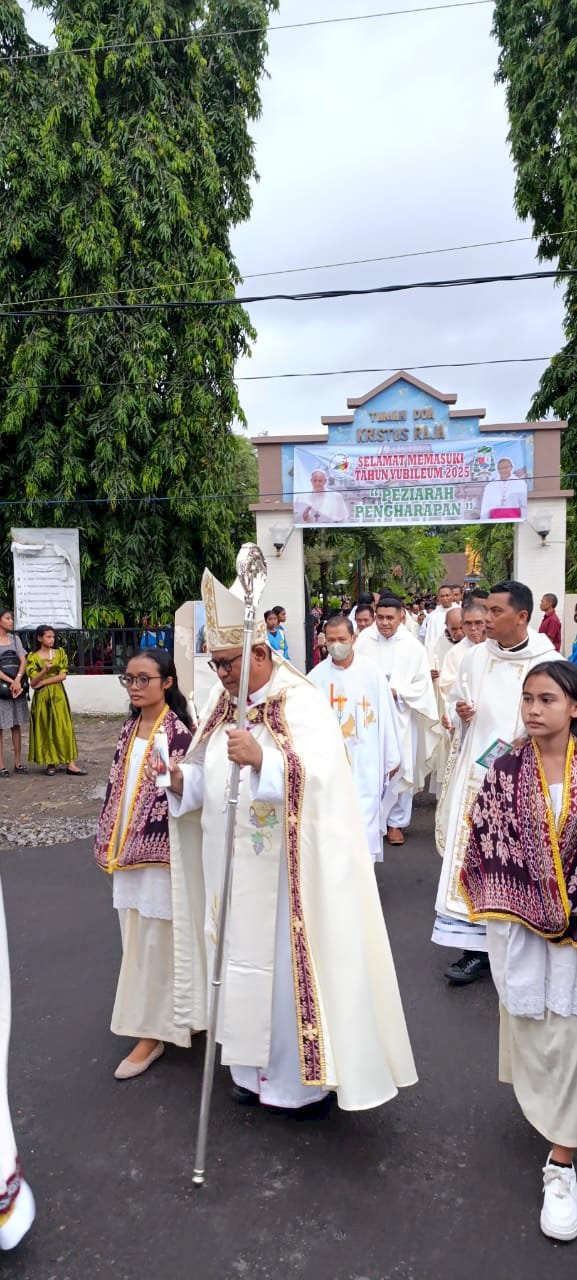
(518, 865)
(147, 839)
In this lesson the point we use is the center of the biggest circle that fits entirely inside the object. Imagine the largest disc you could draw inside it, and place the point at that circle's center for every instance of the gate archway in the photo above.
(373, 461)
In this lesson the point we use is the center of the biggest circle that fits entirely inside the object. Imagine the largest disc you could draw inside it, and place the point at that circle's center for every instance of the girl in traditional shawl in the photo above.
(520, 875)
(132, 845)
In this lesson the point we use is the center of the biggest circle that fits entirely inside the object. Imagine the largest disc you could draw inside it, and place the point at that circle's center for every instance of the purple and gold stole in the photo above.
(520, 864)
(145, 839)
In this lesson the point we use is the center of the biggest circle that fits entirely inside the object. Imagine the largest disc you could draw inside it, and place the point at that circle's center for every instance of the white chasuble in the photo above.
(435, 626)
(446, 686)
(362, 702)
(494, 681)
(449, 671)
(443, 746)
(404, 662)
(325, 930)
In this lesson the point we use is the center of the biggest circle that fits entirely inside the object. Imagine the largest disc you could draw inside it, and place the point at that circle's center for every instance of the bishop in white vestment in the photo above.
(309, 999)
(404, 662)
(361, 699)
(487, 696)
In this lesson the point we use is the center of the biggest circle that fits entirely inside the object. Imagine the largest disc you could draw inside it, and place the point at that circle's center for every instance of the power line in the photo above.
(233, 495)
(241, 31)
(25, 384)
(288, 271)
(317, 295)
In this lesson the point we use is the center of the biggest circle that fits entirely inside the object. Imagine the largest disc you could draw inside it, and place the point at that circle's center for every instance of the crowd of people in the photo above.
(467, 699)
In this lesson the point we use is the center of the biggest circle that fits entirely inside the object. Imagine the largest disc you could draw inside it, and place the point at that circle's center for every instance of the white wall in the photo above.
(542, 566)
(97, 695)
(285, 581)
(103, 695)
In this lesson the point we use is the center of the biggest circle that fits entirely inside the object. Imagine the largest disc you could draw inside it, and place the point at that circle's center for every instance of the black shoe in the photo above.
(472, 965)
(245, 1097)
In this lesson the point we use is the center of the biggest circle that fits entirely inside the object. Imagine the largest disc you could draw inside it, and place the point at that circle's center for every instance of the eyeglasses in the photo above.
(224, 664)
(141, 682)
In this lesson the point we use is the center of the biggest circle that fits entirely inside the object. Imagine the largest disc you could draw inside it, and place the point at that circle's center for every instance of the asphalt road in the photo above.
(442, 1183)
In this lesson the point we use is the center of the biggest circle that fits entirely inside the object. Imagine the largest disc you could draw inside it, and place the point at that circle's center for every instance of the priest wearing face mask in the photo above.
(305, 934)
(364, 706)
(403, 661)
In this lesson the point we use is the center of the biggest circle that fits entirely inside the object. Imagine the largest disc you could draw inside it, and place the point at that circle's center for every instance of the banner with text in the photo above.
(482, 479)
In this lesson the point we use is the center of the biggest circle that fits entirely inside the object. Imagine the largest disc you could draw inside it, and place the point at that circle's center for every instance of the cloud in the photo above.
(384, 137)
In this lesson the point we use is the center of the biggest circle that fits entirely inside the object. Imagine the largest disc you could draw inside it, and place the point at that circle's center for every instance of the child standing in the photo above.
(520, 875)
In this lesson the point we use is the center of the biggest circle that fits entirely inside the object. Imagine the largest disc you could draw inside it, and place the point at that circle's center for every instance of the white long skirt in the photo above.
(144, 1004)
(538, 1056)
(9, 1174)
(279, 1083)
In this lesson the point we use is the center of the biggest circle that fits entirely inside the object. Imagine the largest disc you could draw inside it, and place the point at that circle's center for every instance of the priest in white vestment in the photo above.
(435, 624)
(487, 695)
(309, 999)
(452, 638)
(473, 624)
(404, 662)
(410, 622)
(361, 699)
(473, 620)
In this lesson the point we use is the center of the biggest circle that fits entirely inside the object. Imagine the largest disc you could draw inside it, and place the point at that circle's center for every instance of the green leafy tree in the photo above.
(122, 170)
(494, 542)
(406, 559)
(538, 66)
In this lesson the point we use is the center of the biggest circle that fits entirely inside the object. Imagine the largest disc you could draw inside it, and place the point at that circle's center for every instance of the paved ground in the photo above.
(35, 809)
(443, 1183)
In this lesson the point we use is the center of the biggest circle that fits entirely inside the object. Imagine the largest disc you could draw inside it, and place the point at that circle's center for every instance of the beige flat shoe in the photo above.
(127, 1070)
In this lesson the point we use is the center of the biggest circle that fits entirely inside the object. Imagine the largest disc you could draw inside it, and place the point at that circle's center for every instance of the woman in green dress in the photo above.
(52, 736)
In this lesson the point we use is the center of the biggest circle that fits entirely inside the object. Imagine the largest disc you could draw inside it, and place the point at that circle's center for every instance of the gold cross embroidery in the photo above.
(365, 706)
(338, 700)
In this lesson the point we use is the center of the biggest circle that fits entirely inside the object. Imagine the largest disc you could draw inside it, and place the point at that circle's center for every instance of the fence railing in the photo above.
(105, 650)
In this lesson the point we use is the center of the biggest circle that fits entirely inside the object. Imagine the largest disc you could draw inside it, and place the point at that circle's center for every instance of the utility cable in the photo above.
(241, 31)
(170, 384)
(234, 495)
(289, 271)
(317, 295)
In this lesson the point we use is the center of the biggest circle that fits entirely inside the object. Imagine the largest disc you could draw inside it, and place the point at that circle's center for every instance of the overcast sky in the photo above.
(385, 137)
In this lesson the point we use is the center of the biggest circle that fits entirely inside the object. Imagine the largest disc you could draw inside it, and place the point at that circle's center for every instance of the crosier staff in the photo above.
(251, 573)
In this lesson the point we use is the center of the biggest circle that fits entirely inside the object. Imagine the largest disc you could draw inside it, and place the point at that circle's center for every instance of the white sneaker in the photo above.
(20, 1220)
(559, 1212)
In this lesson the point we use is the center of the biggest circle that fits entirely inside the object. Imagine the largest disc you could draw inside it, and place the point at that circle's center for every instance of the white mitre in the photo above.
(225, 615)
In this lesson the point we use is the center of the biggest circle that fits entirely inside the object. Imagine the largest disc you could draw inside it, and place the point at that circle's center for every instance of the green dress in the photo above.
(52, 736)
